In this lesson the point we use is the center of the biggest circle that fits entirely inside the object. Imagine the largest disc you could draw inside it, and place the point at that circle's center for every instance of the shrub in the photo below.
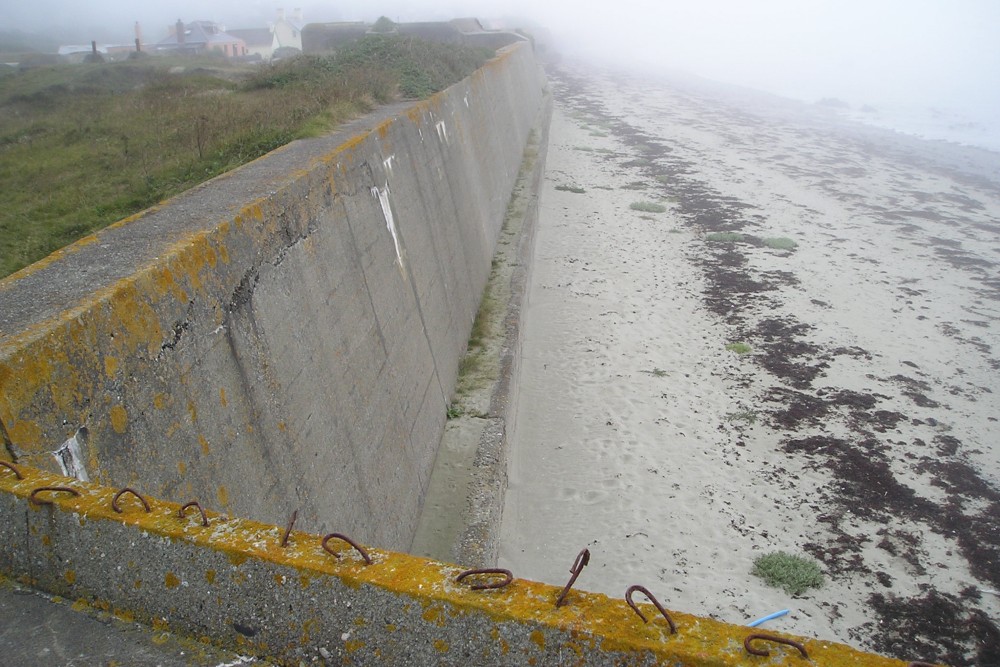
(571, 188)
(794, 574)
(724, 237)
(647, 207)
(780, 243)
(739, 348)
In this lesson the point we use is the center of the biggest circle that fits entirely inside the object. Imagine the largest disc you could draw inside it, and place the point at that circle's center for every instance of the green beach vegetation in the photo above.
(794, 574)
(82, 146)
(647, 207)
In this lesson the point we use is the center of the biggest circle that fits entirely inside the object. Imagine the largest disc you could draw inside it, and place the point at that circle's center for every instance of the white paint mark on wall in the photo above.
(70, 456)
(466, 100)
(442, 131)
(383, 199)
(387, 163)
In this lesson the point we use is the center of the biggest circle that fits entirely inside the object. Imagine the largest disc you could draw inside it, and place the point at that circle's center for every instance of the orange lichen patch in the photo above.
(210, 576)
(353, 645)
(70, 577)
(192, 411)
(181, 467)
(110, 366)
(204, 444)
(538, 639)
(119, 418)
(441, 646)
(222, 396)
(25, 431)
(383, 128)
(160, 401)
(435, 615)
(126, 615)
(223, 496)
(171, 580)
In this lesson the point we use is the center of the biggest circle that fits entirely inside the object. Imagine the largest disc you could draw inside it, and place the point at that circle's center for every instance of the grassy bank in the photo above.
(82, 146)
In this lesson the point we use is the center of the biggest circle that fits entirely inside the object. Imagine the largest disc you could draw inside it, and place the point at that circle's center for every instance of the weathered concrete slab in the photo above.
(233, 583)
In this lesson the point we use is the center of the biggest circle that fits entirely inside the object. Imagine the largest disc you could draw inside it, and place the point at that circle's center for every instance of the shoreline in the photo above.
(858, 428)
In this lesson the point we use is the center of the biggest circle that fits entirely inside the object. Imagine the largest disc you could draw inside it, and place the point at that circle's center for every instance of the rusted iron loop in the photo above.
(114, 501)
(508, 577)
(288, 529)
(54, 489)
(12, 468)
(194, 503)
(656, 603)
(772, 638)
(581, 561)
(345, 538)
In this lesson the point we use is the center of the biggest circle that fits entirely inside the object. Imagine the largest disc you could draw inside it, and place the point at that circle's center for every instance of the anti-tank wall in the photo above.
(287, 335)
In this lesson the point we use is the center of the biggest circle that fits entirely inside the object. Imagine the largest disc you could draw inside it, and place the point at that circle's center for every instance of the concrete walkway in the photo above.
(40, 630)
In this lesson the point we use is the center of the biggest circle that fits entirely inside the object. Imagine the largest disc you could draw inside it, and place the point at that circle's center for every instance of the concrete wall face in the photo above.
(286, 336)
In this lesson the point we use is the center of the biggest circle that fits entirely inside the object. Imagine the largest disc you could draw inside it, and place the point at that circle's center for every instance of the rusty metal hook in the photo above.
(12, 468)
(345, 538)
(114, 501)
(507, 577)
(656, 603)
(772, 638)
(288, 529)
(581, 561)
(181, 513)
(54, 489)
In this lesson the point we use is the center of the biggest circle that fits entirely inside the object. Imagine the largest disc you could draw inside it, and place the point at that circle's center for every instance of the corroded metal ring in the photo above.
(53, 489)
(508, 577)
(772, 638)
(182, 512)
(656, 603)
(114, 501)
(345, 538)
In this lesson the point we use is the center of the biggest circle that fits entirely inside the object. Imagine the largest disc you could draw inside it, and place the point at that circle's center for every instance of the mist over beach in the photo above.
(764, 304)
(901, 58)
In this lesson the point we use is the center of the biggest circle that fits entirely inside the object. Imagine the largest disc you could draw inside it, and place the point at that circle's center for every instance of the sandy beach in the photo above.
(801, 352)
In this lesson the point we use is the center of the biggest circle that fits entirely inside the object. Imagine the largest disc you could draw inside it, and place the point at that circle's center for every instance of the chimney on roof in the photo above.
(138, 32)
(281, 13)
(180, 31)
(297, 14)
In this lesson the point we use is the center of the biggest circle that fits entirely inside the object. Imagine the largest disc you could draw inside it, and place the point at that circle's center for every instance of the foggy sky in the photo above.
(926, 52)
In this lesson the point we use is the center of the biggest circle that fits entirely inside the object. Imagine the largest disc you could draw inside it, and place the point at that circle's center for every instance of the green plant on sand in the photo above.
(794, 574)
(571, 188)
(647, 207)
(780, 243)
(739, 348)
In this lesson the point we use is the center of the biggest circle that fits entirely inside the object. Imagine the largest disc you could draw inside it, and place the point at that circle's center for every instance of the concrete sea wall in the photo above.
(284, 336)
(259, 590)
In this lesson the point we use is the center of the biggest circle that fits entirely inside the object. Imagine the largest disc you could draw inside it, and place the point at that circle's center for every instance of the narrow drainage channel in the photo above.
(453, 494)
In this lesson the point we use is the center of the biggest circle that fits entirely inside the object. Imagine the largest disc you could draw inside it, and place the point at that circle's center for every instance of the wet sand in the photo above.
(859, 430)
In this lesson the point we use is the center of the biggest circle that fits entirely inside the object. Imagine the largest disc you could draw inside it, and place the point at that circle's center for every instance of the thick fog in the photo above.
(877, 52)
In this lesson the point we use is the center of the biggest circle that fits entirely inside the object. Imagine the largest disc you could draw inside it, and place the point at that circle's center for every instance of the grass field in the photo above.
(82, 146)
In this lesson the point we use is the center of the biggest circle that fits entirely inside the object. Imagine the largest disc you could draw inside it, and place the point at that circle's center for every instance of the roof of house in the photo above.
(254, 36)
(200, 32)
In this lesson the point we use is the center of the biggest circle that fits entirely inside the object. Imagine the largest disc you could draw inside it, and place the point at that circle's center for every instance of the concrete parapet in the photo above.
(285, 335)
(233, 584)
